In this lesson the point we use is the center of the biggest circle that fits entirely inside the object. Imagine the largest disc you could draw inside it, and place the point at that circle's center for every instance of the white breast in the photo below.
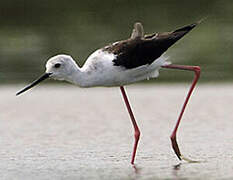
(100, 70)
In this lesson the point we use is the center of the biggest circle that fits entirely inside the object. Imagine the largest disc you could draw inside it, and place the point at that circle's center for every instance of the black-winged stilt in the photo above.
(138, 58)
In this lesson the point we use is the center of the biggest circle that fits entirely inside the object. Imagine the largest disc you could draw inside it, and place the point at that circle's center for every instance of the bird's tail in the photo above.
(179, 33)
(185, 29)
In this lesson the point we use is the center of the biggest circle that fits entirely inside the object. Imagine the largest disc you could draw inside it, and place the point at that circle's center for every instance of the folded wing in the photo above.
(143, 49)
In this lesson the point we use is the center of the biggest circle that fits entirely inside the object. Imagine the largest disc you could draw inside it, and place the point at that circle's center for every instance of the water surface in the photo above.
(64, 132)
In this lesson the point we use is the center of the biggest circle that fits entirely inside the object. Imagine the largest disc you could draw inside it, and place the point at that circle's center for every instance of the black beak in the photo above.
(43, 77)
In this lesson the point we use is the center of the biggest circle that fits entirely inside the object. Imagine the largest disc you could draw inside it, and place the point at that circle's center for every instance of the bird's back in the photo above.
(142, 50)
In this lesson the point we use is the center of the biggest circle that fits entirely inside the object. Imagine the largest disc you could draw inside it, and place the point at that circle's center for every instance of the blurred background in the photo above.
(75, 133)
(33, 31)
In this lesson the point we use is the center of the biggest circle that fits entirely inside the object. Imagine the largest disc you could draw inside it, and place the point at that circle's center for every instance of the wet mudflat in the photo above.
(64, 132)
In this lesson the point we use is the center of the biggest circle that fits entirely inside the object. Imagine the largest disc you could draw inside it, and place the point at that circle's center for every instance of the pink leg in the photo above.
(197, 71)
(136, 129)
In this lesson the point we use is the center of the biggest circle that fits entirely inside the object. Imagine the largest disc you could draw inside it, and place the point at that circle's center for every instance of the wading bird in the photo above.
(124, 62)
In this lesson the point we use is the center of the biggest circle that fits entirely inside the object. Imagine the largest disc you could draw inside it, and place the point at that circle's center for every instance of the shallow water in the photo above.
(64, 132)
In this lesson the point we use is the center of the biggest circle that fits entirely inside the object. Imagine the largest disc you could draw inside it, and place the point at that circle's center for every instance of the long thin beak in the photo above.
(43, 77)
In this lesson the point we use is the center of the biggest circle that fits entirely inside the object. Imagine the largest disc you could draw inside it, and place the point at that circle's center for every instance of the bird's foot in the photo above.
(189, 160)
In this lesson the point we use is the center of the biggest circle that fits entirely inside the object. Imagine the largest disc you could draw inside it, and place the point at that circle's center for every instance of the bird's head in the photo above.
(59, 67)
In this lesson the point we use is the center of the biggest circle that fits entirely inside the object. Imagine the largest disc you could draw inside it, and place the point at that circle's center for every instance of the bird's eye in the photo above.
(57, 65)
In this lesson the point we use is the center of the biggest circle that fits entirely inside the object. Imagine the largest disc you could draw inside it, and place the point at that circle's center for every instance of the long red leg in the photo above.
(136, 129)
(197, 71)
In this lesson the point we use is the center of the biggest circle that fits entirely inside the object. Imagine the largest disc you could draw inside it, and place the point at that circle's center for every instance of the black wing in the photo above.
(136, 52)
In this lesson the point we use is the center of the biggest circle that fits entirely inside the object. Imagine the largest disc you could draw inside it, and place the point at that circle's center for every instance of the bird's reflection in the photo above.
(176, 169)
(136, 169)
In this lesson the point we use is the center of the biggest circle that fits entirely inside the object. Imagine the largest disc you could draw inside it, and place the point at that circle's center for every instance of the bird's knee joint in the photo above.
(173, 138)
(137, 134)
(197, 70)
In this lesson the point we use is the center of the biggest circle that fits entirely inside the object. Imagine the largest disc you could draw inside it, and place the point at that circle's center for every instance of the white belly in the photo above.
(100, 70)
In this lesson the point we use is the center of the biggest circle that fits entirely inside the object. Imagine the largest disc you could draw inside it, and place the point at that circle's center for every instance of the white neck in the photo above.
(78, 77)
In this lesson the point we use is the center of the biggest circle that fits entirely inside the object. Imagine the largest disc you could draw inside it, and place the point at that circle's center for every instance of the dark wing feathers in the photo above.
(136, 52)
(186, 28)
